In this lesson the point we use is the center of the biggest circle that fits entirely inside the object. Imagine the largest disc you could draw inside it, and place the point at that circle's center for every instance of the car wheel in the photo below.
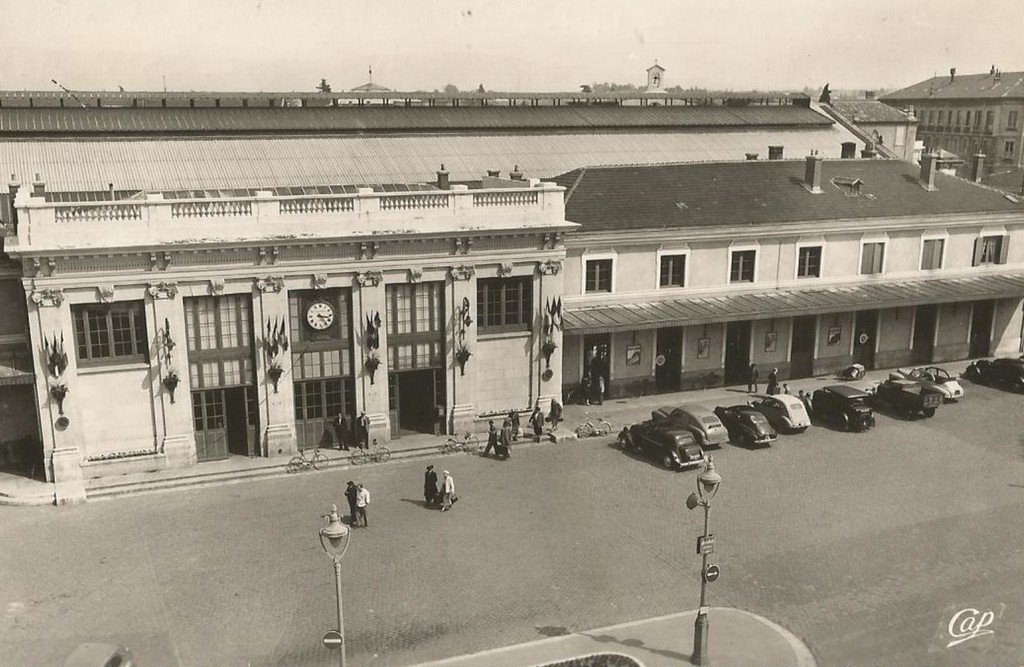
(667, 462)
(843, 421)
(929, 412)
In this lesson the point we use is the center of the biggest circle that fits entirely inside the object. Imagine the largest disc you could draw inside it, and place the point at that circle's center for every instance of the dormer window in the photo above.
(849, 186)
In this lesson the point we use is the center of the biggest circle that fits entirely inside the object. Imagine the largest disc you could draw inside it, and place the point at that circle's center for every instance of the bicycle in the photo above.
(316, 460)
(468, 443)
(375, 454)
(591, 427)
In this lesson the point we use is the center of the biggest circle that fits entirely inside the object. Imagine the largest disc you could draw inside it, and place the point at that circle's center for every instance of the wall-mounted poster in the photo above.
(632, 355)
(835, 334)
(703, 347)
(770, 339)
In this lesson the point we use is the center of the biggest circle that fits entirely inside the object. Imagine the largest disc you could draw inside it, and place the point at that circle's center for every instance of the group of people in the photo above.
(444, 496)
(358, 498)
(500, 440)
(773, 382)
(593, 388)
(347, 436)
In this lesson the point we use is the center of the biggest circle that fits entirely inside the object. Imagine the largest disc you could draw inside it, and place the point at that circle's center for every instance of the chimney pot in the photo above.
(494, 173)
(442, 179)
(978, 167)
(751, 156)
(929, 165)
(869, 150)
(952, 74)
(812, 174)
(775, 152)
(515, 174)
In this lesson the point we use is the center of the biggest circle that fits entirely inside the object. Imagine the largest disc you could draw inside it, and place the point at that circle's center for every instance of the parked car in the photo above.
(843, 407)
(784, 412)
(937, 379)
(705, 426)
(661, 440)
(907, 396)
(746, 426)
(1005, 372)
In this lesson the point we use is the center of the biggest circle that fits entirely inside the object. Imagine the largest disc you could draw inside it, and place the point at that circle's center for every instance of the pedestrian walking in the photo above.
(773, 382)
(430, 486)
(350, 494)
(504, 447)
(585, 387)
(492, 437)
(363, 431)
(448, 489)
(555, 415)
(752, 379)
(362, 500)
(513, 422)
(537, 421)
(599, 389)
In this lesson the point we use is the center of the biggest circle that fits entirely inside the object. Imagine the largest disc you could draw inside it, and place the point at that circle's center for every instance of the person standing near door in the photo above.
(341, 431)
(362, 500)
(599, 389)
(773, 382)
(752, 379)
(363, 431)
(350, 495)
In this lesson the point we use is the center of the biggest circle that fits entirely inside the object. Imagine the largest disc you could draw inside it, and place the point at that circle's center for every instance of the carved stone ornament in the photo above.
(550, 268)
(415, 275)
(106, 292)
(505, 269)
(217, 287)
(372, 278)
(319, 280)
(163, 290)
(270, 284)
(462, 272)
(48, 298)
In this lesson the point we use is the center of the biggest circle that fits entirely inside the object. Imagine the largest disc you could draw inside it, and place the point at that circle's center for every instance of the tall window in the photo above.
(949, 117)
(990, 250)
(931, 254)
(1011, 120)
(809, 262)
(871, 258)
(1008, 147)
(598, 275)
(990, 118)
(504, 303)
(741, 268)
(672, 272)
(415, 321)
(218, 332)
(106, 333)
(967, 119)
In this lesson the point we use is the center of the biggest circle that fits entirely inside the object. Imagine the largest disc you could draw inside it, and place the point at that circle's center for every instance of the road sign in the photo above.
(712, 573)
(333, 639)
(705, 544)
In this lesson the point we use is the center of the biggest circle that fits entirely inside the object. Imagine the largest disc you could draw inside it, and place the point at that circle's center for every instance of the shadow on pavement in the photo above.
(637, 643)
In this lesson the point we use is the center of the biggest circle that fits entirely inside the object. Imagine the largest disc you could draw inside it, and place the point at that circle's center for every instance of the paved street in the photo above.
(863, 545)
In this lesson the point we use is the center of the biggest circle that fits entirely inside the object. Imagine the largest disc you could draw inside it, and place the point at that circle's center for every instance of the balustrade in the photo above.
(316, 205)
(509, 198)
(211, 209)
(412, 201)
(99, 213)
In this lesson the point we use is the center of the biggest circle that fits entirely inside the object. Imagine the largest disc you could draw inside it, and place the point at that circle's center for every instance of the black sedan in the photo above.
(1006, 372)
(662, 441)
(746, 425)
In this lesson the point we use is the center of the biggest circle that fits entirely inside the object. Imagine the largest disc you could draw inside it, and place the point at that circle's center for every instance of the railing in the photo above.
(406, 202)
(102, 212)
(316, 205)
(511, 198)
(211, 209)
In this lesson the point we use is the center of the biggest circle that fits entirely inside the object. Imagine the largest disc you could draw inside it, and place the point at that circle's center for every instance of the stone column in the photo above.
(461, 305)
(548, 286)
(165, 316)
(53, 343)
(277, 397)
(370, 300)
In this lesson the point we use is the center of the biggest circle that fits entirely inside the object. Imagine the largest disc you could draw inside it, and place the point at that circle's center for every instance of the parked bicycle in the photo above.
(590, 427)
(467, 442)
(375, 454)
(303, 461)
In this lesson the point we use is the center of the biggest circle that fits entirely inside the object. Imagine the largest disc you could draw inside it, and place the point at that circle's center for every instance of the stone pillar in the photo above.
(277, 397)
(369, 300)
(461, 305)
(63, 440)
(548, 286)
(165, 317)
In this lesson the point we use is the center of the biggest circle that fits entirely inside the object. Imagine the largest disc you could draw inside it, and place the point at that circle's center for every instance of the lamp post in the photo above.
(707, 486)
(334, 538)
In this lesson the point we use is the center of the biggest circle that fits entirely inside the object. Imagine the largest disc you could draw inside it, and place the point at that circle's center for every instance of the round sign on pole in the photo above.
(333, 639)
(863, 338)
(712, 573)
(659, 360)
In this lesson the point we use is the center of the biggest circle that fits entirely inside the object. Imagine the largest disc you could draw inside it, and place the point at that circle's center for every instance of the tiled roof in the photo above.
(1006, 179)
(760, 192)
(582, 318)
(1010, 85)
(264, 162)
(63, 121)
(870, 111)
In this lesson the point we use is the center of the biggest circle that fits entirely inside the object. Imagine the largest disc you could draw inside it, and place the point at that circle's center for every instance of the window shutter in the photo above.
(1004, 247)
(979, 243)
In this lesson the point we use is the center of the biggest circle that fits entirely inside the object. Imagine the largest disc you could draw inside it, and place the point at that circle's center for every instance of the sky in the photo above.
(517, 45)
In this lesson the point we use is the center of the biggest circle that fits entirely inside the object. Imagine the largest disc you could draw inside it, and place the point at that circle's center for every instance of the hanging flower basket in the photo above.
(275, 372)
(170, 383)
(58, 392)
(372, 364)
(462, 355)
(547, 349)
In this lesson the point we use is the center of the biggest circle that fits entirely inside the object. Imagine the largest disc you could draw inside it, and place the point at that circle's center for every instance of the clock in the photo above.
(320, 315)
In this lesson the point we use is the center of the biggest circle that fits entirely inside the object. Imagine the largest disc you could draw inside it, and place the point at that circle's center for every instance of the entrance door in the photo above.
(596, 351)
(924, 334)
(981, 329)
(737, 352)
(864, 338)
(209, 417)
(801, 353)
(417, 407)
(670, 353)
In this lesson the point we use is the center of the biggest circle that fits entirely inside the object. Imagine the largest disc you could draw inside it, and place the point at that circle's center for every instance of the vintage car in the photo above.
(746, 426)
(784, 412)
(705, 426)
(661, 440)
(1004, 372)
(843, 407)
(907, 396)
(937, 379)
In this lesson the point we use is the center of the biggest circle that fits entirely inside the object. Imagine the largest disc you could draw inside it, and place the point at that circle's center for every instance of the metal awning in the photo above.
(763, 305)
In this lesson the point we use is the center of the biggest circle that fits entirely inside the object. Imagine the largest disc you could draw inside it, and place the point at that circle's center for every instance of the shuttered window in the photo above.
(872, 256)
(931, 254)
(991, 250)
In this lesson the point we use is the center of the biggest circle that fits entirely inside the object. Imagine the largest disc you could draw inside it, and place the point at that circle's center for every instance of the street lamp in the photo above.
(334, 538)
(707, 486)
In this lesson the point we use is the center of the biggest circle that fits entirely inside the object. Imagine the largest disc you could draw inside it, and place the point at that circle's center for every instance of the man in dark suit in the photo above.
(430, 486)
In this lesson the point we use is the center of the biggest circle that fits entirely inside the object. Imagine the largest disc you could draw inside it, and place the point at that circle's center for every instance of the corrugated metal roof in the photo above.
(202, 164)
(762, 305)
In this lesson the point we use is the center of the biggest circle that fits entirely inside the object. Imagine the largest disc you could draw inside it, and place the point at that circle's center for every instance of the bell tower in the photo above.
(655, 78)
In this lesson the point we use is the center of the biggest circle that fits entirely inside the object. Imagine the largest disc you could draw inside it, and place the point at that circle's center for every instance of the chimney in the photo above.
(929, 165)
(869, 94)
(977, 167)
(952, 74)
(812, 174)
(515, 174)
(992, 70)
(775, 152)
(39, 187)
(849, 150)
(110, 190)
(494, 173)
(442, 179)
(12, 191)
(751, 156)
(869, 150)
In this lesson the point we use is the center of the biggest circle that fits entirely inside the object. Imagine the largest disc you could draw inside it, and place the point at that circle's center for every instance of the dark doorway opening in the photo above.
(226, 422)
(417, 401)
(801, 354)
(924, 334)
(737, 352)
(596, 353)
(668, 364)
(981, 328)
(864, 332)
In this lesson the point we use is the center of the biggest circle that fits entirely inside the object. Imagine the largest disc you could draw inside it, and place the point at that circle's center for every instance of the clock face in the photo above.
(320, 315)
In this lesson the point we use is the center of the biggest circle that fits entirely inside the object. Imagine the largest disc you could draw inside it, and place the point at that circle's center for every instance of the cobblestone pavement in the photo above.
(864, 545)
